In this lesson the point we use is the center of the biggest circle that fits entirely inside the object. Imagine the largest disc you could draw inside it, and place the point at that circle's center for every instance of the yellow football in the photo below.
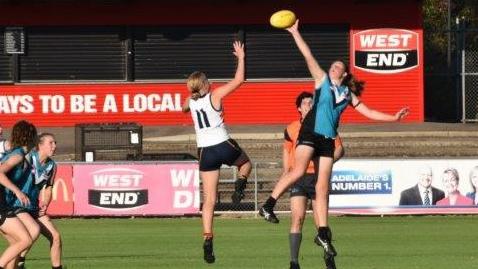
(283, 19)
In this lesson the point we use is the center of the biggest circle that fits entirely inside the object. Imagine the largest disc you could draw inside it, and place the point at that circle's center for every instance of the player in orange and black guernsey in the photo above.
(304, 189)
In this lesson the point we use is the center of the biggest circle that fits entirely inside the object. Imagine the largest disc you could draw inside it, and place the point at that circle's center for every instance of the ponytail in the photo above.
(355, 85)
(196, 82)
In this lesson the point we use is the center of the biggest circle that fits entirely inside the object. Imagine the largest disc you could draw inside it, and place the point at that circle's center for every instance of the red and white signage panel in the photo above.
(62, 202)
(160, 104)
(386, 51)
(120, 189)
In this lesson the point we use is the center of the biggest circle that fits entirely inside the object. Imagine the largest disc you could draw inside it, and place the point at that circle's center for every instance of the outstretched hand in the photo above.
(238, 49)
(294, 28)
(402, 113)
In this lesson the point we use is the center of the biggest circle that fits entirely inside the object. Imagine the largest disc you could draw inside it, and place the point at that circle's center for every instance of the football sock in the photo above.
(242, 177)
(325, 233)
(240, 183)
(294, 242)
(21, 262)
(57, 267)
(270, 203)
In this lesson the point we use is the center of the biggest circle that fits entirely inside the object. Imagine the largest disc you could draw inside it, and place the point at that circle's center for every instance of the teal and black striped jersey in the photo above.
(17, 174)
(329, 102)
(36, 177)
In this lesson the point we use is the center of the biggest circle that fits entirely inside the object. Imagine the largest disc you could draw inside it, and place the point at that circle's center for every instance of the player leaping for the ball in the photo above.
(304, 188)
(215, 148)
(334, 91)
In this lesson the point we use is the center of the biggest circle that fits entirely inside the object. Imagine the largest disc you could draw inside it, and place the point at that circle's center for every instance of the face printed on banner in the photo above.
(474, 177)
(450, 181)
(425, 177)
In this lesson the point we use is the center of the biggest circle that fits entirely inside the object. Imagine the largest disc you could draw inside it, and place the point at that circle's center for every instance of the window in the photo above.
(73, 53)
(175, 52)
(272, 53)
(133, 53)
(6, 74)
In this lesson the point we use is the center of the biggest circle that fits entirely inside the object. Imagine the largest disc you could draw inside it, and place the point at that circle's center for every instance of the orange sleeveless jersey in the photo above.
(291, 133)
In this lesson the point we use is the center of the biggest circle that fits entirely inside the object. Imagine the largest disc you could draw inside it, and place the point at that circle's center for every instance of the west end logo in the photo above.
(117, 188)
(385, 50)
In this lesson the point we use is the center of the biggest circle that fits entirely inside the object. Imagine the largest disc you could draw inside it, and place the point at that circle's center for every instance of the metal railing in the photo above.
(263, 177)
(469, 82)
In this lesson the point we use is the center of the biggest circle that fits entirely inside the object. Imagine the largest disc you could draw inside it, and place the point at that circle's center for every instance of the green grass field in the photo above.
(362, 242)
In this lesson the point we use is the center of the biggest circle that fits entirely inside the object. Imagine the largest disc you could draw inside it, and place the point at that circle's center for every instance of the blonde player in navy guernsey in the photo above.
(215, 147)
(334, 91)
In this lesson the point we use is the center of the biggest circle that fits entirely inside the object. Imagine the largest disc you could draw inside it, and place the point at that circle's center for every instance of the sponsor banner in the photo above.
(146, 104)
(404, 211)
(121, 189)
(62, 194)
(160, 103)
(386, 50)
(360, 182)
(401, 186)
(66, 105)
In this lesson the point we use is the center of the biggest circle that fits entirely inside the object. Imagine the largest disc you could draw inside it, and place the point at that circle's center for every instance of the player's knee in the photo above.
(27, 243)
(296, 223)
(246, 168)
(34, 232)
(321, 194)
(56, 238)
(24, 241)
(209, 199)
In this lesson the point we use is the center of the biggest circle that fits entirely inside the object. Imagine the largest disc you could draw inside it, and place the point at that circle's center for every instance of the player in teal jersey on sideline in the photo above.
(38, 187)
(12, 169)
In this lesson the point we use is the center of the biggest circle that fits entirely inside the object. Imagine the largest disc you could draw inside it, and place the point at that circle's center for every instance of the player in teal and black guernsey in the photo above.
(329, 102)
(334, 90)
(13, 168)
(37, 177)
(38, 186)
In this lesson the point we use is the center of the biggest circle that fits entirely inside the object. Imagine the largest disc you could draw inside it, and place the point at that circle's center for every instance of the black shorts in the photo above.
(228, 152)
(3, 216)
(18, 210)
(323, 146)
(305, 186)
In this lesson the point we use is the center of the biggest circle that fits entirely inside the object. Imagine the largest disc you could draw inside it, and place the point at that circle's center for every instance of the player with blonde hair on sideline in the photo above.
(215, 147)
(38, 187)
